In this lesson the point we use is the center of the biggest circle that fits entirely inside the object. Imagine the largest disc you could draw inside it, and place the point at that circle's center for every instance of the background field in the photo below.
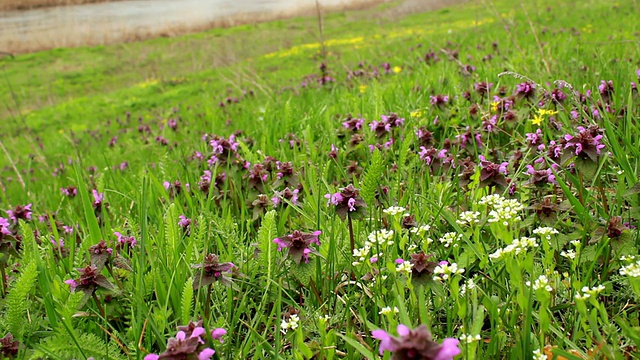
(479, 88)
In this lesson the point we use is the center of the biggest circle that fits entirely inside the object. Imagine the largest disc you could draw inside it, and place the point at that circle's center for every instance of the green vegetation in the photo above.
(492, 146)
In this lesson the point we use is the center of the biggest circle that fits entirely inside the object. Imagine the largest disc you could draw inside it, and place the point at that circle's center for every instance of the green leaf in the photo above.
(372, 178)
(187, 299)
(358, 346)
(18, 300)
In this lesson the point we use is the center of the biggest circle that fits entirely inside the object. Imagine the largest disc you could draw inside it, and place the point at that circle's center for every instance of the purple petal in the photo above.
(152, 357)
(206, 354)
(218, 333)
(449, 349)
(403, 330)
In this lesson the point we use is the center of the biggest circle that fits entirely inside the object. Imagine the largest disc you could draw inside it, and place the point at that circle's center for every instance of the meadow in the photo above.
(460, 183)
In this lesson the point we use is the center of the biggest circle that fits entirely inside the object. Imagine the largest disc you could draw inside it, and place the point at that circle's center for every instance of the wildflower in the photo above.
(422, 267)
(541, 282)
(287, 194)
(450, 238)
(539, 355)
(606, 90)
(404, 267)
(468, 338)
(631, 270)
(537, 120)
(290, 324)
(394, 210)
(439, 100)
(218, 333)
(8, 346)
(483, 88)
(20, 213)
(184, 222)
(4, 227)
(89, 281)
(298, 245)
(362, 88)
(347, 202)
(505, 211)
(446, 271)
(381, 237)
(69, 191)
(99, 254)
(211, 270)
(415, 344)
(468, 218)
(416, 114)
(98, 198)
(545, 232)
(185, 346)
(569, 254)
(516, 247)
(541, 177)
(397, 69)
(421, 229)
(353, 124)
(124, 240)
(586, 144)
(526, 90)
(492, 174)
(387, 310)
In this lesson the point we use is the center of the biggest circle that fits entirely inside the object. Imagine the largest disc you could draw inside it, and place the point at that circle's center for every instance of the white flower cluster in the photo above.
(446, 271)
(387, 310)
(538, 355)
(491, 200)
(450, 238)
(468, 218)
(468, 338)
(404, 268)
(545, 232)
(380, 237)
(588, 292)
(468, 285)
(631, 270)
(506, 212)
(541, 282)
(292, 324)
(420, 230)
(395, 210)
(569, 254)
(516, 247)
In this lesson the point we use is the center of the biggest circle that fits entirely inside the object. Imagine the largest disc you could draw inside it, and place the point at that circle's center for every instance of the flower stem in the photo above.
(100, 308)
(207, 303)
(352, 240)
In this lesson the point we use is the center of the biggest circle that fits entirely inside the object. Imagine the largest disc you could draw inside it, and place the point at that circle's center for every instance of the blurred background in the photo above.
(32, 25)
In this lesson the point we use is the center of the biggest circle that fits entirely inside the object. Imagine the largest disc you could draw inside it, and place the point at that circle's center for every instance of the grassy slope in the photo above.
(101, 84)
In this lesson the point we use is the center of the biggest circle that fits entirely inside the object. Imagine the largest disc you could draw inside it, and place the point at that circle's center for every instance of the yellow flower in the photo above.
(362, 88)
(416, 113)
(537, 120)
(494, 106)
(397, 69)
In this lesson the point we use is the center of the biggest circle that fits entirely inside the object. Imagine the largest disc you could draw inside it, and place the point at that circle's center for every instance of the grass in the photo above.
(513, 209)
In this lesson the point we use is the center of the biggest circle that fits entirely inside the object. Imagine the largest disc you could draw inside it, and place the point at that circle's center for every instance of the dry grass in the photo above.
(87, 34)
(8, 5)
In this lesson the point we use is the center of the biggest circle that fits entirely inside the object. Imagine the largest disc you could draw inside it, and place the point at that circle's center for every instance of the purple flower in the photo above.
(97, 198)
(416, 344)
(286, 194)
(492, 174)
(184, 222)
(347, 202)
(353, 124)
(298, 245)
(439, 100)
(586, 144)
(20, 212)
(185, 346)
(526, 90)
(212, 270)
(4, 227)
(125, 240)
(218, 333)
(69, 191)
(482, 88)
(534, 139)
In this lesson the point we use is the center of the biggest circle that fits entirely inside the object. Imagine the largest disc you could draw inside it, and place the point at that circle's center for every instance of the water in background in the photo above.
(109, 20)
